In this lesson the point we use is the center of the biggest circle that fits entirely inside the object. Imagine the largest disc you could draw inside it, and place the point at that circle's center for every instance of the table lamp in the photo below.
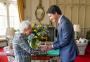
(77, 30)
(10, 33)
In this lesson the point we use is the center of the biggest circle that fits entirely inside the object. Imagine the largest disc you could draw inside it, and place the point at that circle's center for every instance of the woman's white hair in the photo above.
(24, 24)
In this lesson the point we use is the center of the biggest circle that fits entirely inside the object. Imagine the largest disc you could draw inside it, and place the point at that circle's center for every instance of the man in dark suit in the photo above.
(65, 37)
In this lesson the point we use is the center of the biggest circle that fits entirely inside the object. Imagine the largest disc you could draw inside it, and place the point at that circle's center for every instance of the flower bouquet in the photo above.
(39, 33)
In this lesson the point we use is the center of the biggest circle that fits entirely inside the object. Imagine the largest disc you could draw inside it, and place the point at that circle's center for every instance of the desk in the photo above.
(41, 57)
(45, 59)
(45, 56)
(50, 56)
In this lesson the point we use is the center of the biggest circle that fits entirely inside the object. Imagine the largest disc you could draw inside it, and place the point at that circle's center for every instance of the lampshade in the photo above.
(10, 32)
(76, 28)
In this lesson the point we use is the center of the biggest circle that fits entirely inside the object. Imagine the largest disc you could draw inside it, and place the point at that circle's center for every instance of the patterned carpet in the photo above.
(84, 58)
(3, 58)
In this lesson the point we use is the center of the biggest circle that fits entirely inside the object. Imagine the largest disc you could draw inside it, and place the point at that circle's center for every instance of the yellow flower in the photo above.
(35, 30)
(32, 25)
(35, 36)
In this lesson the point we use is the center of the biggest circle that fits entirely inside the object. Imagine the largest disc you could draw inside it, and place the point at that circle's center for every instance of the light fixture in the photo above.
(10, 33)
(77, 30)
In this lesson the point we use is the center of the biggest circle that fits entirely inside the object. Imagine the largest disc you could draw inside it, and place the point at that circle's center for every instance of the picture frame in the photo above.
(39, 12)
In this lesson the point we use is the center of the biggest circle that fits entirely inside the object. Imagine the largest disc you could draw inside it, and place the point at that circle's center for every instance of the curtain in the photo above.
(21, 9)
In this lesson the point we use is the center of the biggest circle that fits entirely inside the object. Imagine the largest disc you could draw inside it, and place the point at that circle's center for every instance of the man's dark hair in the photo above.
(54, 9)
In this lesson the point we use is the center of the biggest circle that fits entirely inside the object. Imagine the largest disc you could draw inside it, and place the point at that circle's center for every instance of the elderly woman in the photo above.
(22, 50)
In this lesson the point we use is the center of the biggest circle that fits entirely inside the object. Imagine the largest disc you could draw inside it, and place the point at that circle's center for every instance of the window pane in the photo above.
(14, 16)
(3, 19)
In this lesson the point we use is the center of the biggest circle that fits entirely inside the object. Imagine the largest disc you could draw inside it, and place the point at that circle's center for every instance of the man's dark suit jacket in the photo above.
(65, 41)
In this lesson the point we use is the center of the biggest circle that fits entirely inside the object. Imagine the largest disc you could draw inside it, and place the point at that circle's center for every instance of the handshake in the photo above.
(45, 47)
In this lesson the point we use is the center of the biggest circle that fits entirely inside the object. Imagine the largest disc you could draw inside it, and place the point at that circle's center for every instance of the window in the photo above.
(9, 16)
(3, 19)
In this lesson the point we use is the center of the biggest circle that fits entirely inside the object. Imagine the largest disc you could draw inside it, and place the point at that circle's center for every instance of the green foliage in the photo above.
(39, 33)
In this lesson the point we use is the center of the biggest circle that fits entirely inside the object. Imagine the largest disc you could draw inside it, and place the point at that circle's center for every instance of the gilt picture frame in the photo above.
(39, 13)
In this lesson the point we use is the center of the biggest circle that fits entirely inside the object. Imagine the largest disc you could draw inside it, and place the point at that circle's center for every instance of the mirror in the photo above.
(40, 13)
